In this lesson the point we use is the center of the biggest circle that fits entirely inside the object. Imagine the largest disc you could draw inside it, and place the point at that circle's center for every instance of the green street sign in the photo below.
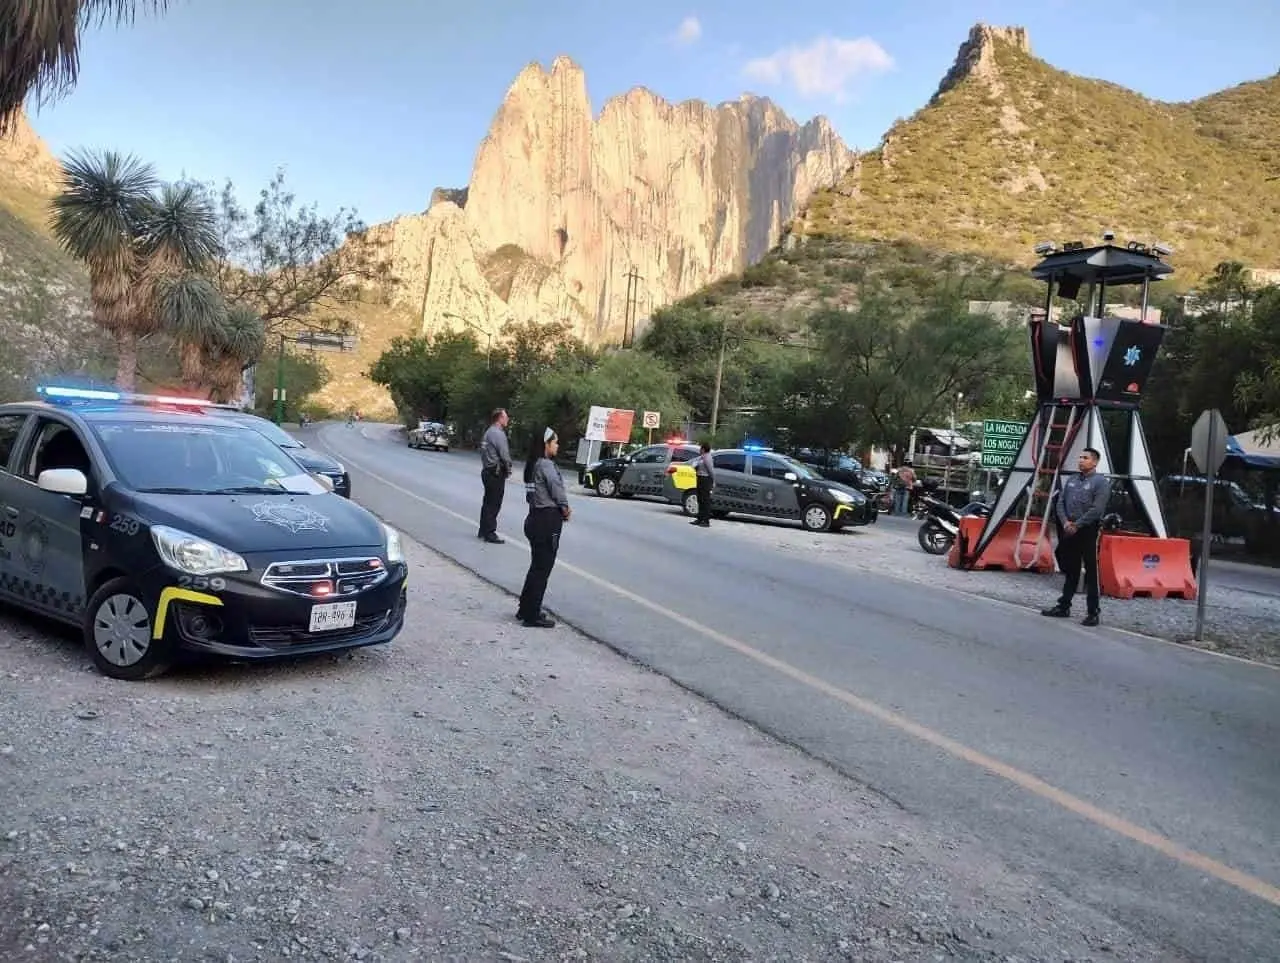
(1001, 441)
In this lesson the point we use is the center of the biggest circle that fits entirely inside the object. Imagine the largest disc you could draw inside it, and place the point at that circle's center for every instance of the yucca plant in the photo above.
(97, 216)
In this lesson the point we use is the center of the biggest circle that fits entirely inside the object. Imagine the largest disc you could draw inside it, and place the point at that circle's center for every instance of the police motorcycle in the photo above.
(941, 523)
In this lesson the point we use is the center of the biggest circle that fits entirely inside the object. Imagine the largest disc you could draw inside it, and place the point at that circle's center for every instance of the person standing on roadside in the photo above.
(1078, 515)
(548, 511)
(495, 469)
(705, 473)
(903, 489)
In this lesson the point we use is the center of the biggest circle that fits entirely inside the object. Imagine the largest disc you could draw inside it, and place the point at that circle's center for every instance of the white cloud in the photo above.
(689, 31)
(825, 68)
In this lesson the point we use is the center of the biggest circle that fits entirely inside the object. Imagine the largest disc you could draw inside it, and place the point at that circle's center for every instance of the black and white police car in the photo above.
(160, 529)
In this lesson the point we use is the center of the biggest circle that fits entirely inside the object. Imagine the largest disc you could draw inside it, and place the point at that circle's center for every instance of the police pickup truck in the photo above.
(160, 529)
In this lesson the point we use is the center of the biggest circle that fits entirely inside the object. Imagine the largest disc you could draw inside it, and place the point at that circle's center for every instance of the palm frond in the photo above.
(102, 203)
(242, 335)
(190, 308)
(40, 45)
(179, 229)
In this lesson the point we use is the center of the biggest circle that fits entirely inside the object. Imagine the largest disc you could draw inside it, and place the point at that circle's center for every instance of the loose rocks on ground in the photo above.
(476, 791)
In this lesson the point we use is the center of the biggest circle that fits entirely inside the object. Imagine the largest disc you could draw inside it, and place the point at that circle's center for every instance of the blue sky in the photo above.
(371, 104)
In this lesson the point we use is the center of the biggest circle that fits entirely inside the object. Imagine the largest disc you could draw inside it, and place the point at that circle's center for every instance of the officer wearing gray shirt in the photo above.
(704, 472)
(547, 488)
(1080, 505)
(548, 511)
(495, 468)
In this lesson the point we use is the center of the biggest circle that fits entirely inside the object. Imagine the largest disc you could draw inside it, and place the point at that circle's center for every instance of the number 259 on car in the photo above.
(333, 615)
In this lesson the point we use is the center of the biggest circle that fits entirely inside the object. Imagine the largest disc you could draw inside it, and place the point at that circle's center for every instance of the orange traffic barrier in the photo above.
(1138, 565)
(1000, 553)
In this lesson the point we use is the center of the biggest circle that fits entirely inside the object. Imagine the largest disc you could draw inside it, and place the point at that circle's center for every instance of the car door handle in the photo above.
(11, 511)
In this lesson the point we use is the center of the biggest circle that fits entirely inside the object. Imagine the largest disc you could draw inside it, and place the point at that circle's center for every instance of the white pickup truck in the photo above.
(429, 434)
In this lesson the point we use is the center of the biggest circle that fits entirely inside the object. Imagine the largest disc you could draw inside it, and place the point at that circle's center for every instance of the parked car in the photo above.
(434, 435)
(160, 528)
(638, 473)
(770, 485)
(313, 461)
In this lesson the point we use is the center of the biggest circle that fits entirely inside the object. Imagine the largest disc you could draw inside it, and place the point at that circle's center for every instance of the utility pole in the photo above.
(280, 383)
(715, 399)
(631, 308)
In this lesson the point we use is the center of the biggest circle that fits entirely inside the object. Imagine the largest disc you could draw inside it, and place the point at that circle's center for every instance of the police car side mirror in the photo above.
(325, 481)
(790, 476)
(63, 481)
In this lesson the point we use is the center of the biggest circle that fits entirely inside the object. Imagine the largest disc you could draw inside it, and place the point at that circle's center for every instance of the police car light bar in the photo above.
(84, 394)
(68, 393)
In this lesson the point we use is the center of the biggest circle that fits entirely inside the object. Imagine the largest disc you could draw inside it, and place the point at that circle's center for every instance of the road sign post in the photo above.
(1001, 441)
(1208, 451)
(651, 420)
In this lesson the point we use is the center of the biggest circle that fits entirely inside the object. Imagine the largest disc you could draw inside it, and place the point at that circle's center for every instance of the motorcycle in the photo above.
(941, 524)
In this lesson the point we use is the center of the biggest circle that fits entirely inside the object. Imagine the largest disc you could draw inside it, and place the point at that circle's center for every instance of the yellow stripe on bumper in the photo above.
(172, 594)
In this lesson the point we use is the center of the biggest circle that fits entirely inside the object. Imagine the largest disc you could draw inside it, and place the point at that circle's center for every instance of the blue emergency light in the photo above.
(78, 394)
(70, 393)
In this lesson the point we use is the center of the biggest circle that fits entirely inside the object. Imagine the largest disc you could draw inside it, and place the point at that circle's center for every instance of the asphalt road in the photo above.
(1141, 777)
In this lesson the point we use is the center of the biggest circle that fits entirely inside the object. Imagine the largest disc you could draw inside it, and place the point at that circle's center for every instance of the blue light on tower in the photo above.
(1132, 356)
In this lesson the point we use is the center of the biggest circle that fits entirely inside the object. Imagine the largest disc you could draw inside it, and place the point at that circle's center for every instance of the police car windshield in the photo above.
(191, 458)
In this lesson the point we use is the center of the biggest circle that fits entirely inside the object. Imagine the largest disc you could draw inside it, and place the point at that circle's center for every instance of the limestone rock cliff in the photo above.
(563, 204)
(26, 160)
(976, 57)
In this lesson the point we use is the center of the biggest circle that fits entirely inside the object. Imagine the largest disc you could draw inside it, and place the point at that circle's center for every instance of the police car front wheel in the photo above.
(816, 518)
(118, 631)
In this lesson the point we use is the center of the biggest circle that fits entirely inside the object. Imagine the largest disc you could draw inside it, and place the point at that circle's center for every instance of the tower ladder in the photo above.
(1033, 530)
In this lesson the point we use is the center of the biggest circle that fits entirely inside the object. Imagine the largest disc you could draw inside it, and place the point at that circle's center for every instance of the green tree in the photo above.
(561, 397)
(304, 375)
(298, 268)
(40, 54)
(687, 337)
(421, 373)
(888, 366)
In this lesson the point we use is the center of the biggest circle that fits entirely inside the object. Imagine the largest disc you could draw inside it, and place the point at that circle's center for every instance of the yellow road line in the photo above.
(1025, 780)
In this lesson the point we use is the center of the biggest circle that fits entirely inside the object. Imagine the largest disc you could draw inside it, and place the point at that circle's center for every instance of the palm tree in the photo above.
(141, 243)
(40, 48)
(239, 342)
(191, 309)
(97, 216)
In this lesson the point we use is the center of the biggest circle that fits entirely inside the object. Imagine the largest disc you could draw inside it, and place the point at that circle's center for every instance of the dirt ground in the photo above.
(475, 791)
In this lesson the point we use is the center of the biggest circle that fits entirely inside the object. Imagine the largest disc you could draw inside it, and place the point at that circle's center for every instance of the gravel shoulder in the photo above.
(1239, 623)
(475, 791)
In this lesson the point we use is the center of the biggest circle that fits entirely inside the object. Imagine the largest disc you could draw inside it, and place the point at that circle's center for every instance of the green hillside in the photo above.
(1017, 151)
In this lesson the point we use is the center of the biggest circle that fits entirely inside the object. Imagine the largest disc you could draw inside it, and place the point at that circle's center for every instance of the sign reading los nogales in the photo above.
(1001, 441)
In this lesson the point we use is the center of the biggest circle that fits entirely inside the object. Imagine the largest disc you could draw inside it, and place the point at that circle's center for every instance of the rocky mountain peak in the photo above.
(26, 158)
(564, 204)
(976, 57)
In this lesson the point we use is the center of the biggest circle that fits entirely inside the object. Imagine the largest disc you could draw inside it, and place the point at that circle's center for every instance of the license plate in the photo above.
(333, 615)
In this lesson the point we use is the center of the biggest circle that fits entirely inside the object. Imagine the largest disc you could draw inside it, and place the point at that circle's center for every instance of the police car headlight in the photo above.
(840, 496)
(194, 555)
(395, 551)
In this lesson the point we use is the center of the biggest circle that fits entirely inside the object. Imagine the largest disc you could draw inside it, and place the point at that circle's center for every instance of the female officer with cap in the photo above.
(548, 511)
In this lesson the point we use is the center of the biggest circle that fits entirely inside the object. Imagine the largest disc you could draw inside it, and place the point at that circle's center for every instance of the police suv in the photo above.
(159, 528)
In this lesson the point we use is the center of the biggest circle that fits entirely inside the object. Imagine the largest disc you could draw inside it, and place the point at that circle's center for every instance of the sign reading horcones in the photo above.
(609, 424)
(1001, 441)
(652, 419)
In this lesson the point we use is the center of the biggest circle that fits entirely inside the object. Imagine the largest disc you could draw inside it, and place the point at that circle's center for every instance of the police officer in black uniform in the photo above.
(1078, 515)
